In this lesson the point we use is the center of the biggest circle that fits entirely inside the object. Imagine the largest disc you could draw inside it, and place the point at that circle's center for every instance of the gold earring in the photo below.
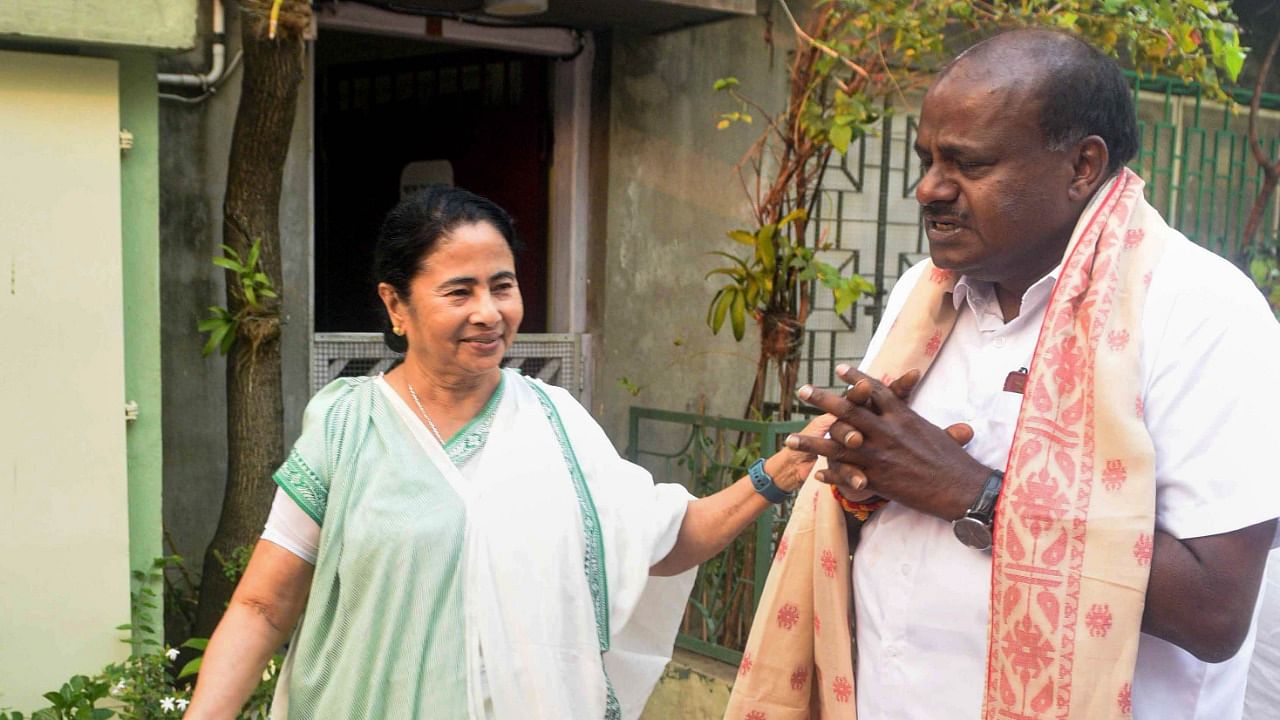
(397, 330)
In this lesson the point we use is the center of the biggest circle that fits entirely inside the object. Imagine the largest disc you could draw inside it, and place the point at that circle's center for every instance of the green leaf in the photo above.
(734, 273)
(250, 296)
(794, 215)
(209, 324)
(839, 137)
(191, 668)
(766, 252)
(54, 698)
(722, 302)
(229, 264)
(228, 339)
(736, 261)
(215, 338)
(1258, 270)
(101, 714)
(725, 83)
(267, 292)
(230, 252)
(743, 237)
(254, 252)
(738, 316)
(1232, 58)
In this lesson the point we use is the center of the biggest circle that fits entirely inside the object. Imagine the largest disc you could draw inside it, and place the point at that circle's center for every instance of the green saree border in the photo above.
(467, 441)
(301, 483)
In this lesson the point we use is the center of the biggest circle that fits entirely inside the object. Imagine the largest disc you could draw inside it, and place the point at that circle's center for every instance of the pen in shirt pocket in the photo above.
(1016, 381)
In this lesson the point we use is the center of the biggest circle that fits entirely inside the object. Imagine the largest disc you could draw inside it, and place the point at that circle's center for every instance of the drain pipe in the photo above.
(217, 64)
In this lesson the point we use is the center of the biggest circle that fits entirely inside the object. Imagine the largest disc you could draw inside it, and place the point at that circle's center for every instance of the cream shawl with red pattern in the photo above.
(1074, 522)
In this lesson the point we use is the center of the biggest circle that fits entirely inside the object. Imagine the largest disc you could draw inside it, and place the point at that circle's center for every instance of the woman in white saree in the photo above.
(466, 542)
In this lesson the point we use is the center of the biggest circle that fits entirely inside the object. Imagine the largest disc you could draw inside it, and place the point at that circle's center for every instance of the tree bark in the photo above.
(273, 71)
(1270, 166)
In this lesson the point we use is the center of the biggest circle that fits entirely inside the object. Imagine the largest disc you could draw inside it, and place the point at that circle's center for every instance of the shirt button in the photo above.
(998, 342)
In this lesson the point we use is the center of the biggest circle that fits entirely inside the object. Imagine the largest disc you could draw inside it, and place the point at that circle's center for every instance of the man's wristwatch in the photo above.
(764, 484)
(974, 529)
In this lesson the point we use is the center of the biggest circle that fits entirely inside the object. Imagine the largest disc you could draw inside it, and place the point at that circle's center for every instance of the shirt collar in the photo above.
(981, 292)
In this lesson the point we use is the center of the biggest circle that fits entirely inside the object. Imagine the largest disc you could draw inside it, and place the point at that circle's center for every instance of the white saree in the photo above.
(546, 548)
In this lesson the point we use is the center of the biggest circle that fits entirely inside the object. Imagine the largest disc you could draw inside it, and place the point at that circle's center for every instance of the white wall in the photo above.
(64, 543)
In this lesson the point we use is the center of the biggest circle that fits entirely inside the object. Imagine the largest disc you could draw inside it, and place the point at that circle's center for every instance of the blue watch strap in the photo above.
(764, 484)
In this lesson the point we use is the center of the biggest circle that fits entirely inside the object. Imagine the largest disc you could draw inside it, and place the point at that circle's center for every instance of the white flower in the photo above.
(168, 704)
(118, 688)
(172, 654)
(183, 703)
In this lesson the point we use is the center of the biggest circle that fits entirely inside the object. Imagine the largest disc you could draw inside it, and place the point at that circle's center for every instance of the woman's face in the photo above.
(464, 306)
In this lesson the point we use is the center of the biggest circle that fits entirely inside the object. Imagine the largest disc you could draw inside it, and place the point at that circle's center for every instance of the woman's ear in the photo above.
(397, 308)
(1089, 166)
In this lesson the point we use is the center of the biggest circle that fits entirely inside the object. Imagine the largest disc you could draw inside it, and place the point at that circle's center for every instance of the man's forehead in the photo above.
(974, 113)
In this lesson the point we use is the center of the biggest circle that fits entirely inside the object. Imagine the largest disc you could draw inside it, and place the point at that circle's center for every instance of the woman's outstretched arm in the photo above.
(263, 610)
(714, 521)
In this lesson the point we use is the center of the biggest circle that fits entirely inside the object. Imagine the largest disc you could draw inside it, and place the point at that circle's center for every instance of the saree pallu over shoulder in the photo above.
(578, 630)
(1074, 522)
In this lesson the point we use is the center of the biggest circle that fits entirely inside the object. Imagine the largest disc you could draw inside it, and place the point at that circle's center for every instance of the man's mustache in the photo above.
(943, 211)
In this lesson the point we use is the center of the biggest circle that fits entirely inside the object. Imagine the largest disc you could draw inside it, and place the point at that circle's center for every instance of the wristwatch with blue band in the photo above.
(764, 484)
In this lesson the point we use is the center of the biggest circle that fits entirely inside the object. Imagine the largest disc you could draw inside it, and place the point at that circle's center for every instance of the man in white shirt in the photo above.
(1015, 139)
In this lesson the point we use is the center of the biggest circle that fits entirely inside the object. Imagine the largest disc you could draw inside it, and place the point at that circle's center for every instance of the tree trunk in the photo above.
(273, 70)
(1270, 166)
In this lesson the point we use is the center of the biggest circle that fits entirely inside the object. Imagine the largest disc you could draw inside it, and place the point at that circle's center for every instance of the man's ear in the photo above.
(1089, 167)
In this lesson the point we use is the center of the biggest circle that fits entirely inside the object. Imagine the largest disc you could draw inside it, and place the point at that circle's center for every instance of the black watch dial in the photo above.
(972, 532)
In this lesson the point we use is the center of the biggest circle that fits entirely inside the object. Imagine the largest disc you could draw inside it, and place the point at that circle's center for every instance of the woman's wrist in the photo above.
(783, 467)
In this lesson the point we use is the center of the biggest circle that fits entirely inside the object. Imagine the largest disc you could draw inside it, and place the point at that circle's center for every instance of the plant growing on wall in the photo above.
(853, 59)
(271, 33)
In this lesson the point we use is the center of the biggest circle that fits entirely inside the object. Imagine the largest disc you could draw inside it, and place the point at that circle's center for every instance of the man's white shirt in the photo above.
(1209, 349)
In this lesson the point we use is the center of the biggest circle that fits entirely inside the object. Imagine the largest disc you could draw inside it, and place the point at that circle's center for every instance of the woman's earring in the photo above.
(399, 331)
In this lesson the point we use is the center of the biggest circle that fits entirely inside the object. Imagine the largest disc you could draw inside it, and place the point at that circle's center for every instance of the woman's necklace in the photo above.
(434, 430)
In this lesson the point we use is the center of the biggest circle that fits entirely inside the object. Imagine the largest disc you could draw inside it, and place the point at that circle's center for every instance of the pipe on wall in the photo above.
(218, 59)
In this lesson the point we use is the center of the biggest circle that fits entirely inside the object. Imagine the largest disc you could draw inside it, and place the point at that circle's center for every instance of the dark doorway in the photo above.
(392, 114)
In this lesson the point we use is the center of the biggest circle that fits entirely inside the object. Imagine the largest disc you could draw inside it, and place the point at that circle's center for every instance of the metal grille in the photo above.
(867, 218)
(553, 358)
(1193, 155)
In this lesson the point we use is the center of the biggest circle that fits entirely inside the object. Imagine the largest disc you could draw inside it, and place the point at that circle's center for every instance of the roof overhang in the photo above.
(647, 16)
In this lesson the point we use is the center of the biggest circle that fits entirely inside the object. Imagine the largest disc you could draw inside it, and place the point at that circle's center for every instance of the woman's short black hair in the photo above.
(416, 225)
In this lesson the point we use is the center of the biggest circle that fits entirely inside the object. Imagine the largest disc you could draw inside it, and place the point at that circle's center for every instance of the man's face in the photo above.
(995, 200)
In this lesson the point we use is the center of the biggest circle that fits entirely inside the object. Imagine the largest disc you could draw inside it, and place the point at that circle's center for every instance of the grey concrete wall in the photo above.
(195, 144)
(159, 24)
(672, 195)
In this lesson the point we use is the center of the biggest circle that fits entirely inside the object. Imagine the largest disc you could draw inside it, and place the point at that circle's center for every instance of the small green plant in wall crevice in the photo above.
(257, 289)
